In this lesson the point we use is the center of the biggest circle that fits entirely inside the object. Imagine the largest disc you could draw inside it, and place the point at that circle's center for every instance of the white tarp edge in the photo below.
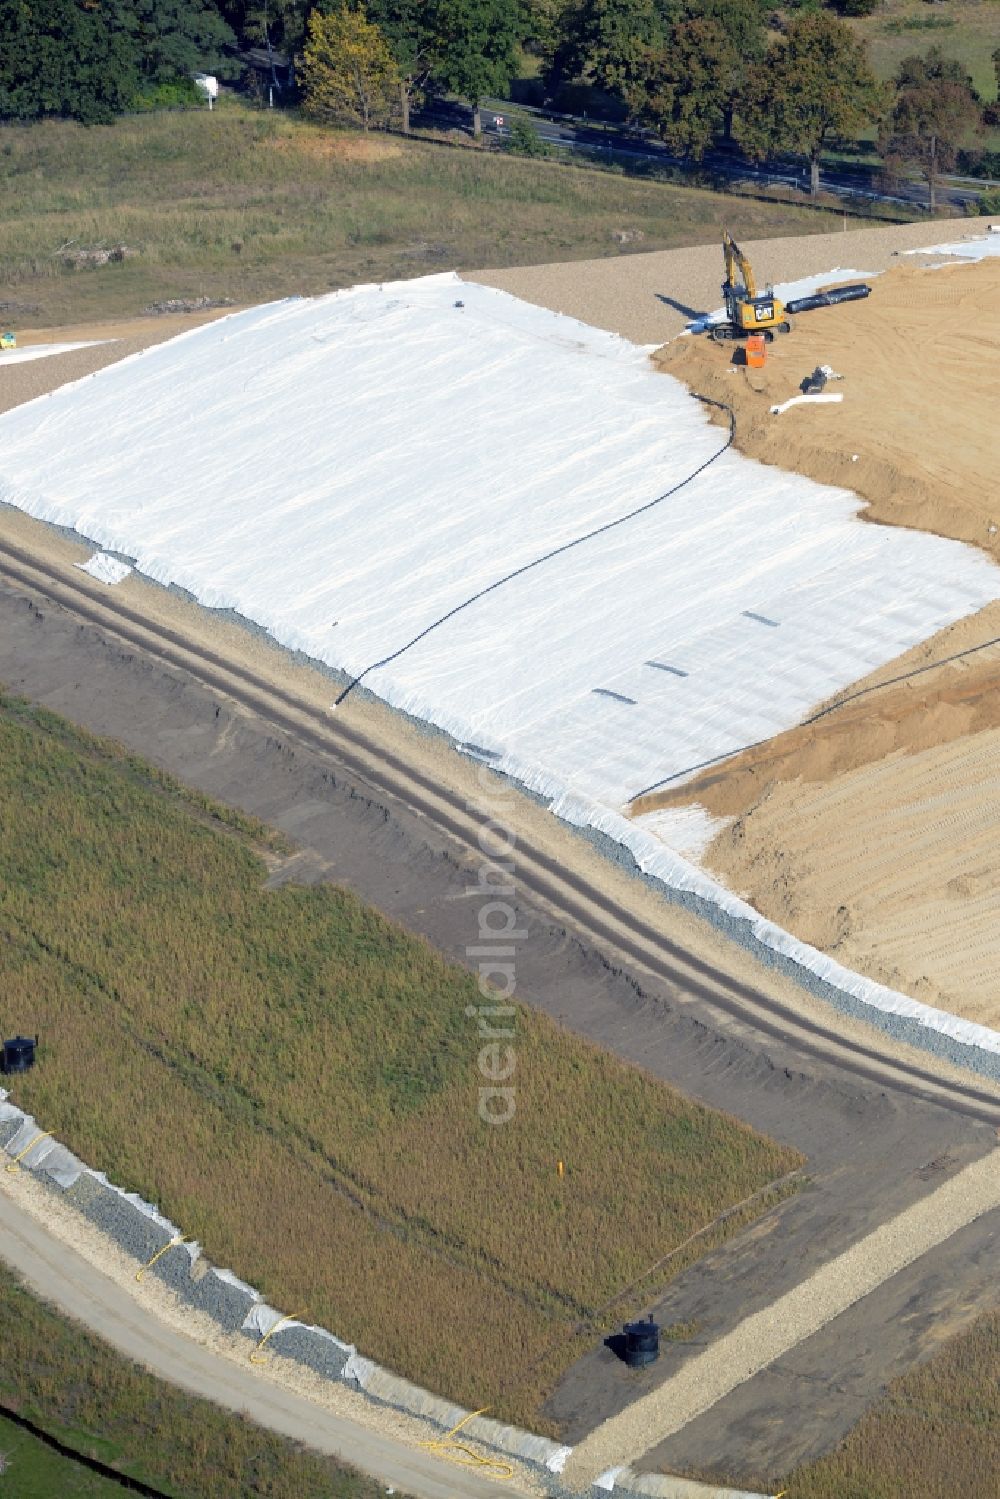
(45, 351)
(669, 1486)
(105, 569)
(240, 1285)
(968, 249)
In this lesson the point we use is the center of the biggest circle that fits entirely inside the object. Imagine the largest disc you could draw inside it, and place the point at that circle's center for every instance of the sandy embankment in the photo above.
(873, 833)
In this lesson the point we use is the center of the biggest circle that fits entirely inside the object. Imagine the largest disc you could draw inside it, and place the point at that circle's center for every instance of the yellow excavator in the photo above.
(746, 312)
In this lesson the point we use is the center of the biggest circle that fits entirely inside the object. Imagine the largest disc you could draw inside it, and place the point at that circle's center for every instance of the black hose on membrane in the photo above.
(556, 551)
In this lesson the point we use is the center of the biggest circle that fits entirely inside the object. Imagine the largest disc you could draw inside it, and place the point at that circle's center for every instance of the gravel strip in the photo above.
(764, 1337)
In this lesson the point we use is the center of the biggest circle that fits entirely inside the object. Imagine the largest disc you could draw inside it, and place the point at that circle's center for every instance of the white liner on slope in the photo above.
(967, 249)
(344, 471)
(44, 351)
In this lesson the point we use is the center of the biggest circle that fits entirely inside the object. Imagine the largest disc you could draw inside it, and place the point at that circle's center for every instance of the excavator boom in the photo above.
(746, 311)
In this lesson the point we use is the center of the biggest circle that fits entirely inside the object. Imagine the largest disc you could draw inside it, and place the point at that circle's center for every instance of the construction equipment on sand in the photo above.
(746, 311)
(8, 341)
(749, 312)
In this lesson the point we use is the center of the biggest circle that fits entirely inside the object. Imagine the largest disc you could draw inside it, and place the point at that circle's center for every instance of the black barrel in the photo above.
(852, 293)
(642, 1343)
(18, 1054)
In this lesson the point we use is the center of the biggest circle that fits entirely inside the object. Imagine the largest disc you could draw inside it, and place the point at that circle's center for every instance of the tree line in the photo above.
(696, 73)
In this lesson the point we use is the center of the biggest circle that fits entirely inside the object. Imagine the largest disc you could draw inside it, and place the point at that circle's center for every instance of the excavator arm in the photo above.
(737, 261)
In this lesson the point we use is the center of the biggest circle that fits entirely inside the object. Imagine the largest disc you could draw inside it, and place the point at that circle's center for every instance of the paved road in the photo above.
(72, 1284)
(574, 134)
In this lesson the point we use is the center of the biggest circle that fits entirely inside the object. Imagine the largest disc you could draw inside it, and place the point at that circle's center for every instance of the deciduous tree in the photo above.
(814, 85)
(412, 30)
(611, 44)
(477, 47)
(936, 107)
(175, 38)
(74, 58)
(688, 86)
(347, 70)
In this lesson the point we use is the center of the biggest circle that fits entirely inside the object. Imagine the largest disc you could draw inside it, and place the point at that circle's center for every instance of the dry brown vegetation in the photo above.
(295, 1080)
(251, 206)
(935, 1433)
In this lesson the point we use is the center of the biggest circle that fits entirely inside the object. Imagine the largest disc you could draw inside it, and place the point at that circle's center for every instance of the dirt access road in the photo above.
(871, 1145)
(70, 1282)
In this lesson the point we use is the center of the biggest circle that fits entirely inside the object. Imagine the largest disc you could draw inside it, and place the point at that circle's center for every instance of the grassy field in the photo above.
(249, 206)
(936, 1431)
(296, 1081)
(29, 1470)
(967, 30)
(92, 1400)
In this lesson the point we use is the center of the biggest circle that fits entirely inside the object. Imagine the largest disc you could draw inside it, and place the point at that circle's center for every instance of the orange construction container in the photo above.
(756, 351)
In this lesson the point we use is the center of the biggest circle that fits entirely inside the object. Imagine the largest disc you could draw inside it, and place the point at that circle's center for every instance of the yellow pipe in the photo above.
(255, 1356)
(150, 1263)
(446, 1447)
(45, 1134)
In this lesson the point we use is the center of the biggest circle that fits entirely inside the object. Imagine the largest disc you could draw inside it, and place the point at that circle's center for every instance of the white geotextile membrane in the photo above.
(968, 249)
(344, 471)
(43, 351)
(104, 568)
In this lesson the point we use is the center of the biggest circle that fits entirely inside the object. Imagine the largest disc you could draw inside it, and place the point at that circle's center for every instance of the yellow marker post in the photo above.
(255, 1356)
(45, 1135)
(560, 1168)
(150, 1263)
(447, 1447)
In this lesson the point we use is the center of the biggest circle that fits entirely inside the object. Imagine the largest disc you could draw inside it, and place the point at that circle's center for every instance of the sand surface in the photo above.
(873, 832)
(651, 297)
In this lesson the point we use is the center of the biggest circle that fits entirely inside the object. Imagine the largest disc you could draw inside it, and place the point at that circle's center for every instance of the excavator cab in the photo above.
(746, 311)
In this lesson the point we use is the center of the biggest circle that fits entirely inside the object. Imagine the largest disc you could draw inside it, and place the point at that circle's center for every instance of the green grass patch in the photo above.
(91, 1399)
(967, 30)
(30, 1470)
(296, 1080)
(249, 206)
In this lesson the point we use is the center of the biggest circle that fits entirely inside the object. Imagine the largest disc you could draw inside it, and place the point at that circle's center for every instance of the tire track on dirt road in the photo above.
(573, 899)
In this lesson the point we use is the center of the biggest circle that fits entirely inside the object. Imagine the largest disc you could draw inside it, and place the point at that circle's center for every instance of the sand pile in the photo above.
(915, 434)
(872, 833)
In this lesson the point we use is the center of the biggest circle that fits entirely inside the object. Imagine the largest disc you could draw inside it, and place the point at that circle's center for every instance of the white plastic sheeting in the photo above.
(967, 249)
(667, 1486)
(45, 1153)
(381, 1384)
(345, 471)
(822, 399)
(44, 351)
(105, 569)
